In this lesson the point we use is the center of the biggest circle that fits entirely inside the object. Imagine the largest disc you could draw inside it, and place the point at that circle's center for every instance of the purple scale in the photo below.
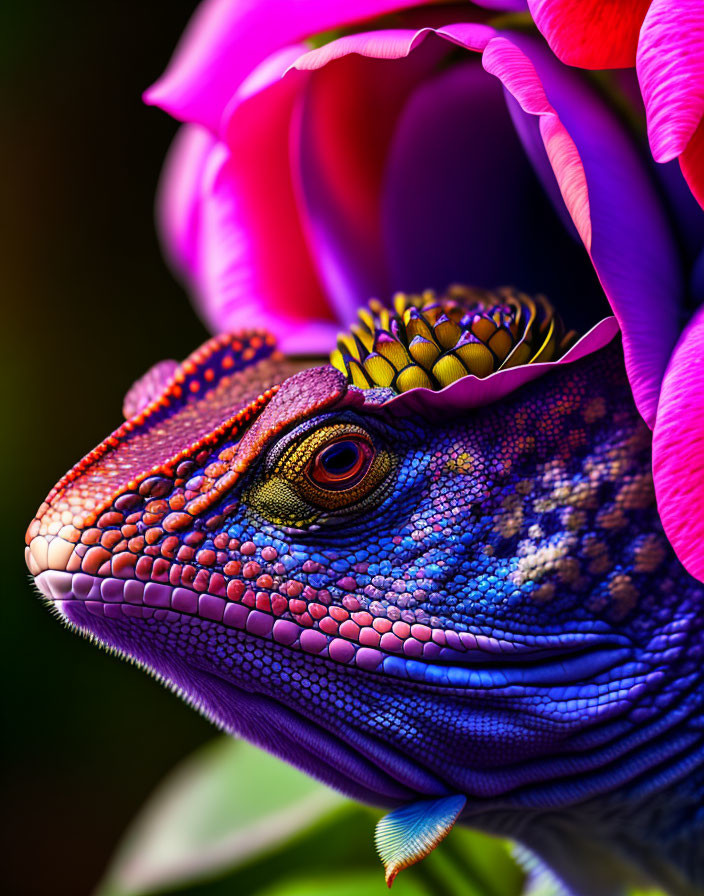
(184, 601)
(453, 640)
(285, 632)
(211, 607)
(368, 659)
(259, 623)
(129, 610)
(340, 650)
(111, 590)
(489, 644)
(313, 641)
(468, 640)
(447, 653)
(113, 611)
(84, 586)
(411, 647)
(133, 591)
(59, 584)
(235, 615)
(96, 607)
(390, 641)
(156, 595)
(431, 650)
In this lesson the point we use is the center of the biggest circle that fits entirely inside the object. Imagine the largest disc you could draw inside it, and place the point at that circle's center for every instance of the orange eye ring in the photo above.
(341, 464)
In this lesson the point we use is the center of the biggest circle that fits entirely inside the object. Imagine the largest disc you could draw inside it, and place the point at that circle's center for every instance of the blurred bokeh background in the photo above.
(88, 305)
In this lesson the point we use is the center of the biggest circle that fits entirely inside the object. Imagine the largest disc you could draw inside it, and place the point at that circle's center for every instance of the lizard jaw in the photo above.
(465, 667)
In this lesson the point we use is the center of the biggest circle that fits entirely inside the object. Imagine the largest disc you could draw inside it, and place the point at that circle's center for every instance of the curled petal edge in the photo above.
(474, 392)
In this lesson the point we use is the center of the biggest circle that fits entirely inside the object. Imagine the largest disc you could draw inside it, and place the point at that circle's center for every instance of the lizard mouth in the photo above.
(445, 659)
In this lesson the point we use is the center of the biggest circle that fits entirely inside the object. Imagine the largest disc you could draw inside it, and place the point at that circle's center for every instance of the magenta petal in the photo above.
(612, 201)
(591, 33)
(671, 74)
(178, 197)
(473, 392)
(394, 43)
(225, 40)
(253, 266)
(678, 449)
(504, 5)
(603, 182)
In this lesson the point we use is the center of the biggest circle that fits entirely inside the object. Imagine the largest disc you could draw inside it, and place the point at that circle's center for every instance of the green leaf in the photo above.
(231, 819)
(351, 884)
(219, 808)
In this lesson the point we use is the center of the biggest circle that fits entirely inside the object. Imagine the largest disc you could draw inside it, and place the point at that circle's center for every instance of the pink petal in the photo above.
(671, 74)
(253, 266)
(692, 164)
(225, 40)
(591, 33)
(504, 5)
(178, 197)
(678, 449)
(472, 392)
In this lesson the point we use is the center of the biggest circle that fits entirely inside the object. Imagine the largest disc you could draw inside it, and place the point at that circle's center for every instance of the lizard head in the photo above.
(410, 571)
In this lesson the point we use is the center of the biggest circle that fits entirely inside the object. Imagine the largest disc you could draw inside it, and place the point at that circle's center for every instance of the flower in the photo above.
(414, 150)
(664, 39)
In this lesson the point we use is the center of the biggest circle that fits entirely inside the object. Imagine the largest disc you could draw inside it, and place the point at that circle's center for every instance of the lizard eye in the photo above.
(332, 468)
(341, 464)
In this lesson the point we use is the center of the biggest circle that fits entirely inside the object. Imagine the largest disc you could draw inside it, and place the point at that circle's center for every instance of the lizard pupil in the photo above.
(339, 459)
(341, 464)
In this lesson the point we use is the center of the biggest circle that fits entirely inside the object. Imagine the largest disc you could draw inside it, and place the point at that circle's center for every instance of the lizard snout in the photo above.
(48, 558)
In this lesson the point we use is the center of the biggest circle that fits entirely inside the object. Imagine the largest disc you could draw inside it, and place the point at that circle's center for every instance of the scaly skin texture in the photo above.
(497, 615)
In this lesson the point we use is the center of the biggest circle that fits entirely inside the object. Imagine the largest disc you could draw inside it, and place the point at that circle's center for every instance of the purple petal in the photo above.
(629, 236)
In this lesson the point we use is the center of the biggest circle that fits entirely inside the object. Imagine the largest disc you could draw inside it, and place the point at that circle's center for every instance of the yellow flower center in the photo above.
(430, 341)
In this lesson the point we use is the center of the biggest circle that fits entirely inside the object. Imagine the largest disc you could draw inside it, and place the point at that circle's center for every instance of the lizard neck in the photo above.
(648, 833)
(612, 854)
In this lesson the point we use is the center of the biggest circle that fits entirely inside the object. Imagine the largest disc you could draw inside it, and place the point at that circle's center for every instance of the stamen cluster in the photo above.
(430, 341)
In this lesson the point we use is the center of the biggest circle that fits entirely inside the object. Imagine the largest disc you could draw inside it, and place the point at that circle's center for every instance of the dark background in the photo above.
(88, 305)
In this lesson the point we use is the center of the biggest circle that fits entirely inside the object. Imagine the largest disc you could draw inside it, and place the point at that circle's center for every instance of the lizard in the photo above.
(429, 572)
